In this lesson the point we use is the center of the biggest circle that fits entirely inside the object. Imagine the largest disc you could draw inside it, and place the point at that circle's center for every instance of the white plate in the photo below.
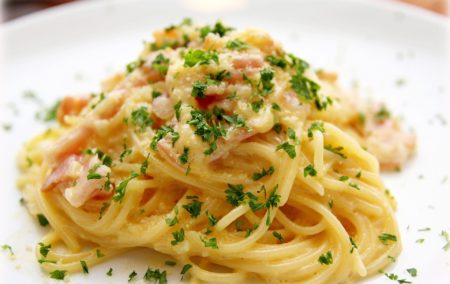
(377, 44)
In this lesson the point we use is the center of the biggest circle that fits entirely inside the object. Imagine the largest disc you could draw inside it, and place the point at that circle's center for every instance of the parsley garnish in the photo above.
(194, 207)
(276, 107)
(132, 275)
(156, 276)
(316, 125)
(99, 253)
(134, 65)
(52, 112)
(277, 128)
(161, 64)
(257, 105)
(278, 236)
(393, 276)
(110, 271)
(236, 44)
(177, 108)
(84, 266)
(385, 237)
(144, 165)
(288, 148)
(309, 171)
(198, 89)
(44, 249)
(172, 221)
(354, 185)
(126, 151)
(42, 220)
(141, 118)
(353, 244)
(412, 272)
(161, 133)
(336, 150)
(211, 243)
(58, 274)
(198, 56)
(185, 269)
(212, 220)
(326, 258)
(156, 94)
(263, 173)
(218, 29)
(9, 248)
(183, 158)
(235, 194)
(121, 189)
(170, 263)
(265, 84)
(291, 135)
(277, 61)
(382, 114)
(343, 178)
(445, 235)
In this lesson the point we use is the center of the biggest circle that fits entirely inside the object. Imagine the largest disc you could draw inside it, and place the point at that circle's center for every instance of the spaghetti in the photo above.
(221, 150)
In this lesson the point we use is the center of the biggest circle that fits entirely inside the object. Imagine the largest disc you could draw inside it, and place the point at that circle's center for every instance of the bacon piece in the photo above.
(71, 106)
(246, 60)
(71, 143)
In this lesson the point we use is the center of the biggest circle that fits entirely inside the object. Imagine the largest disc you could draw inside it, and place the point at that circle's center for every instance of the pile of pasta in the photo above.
(221, 150)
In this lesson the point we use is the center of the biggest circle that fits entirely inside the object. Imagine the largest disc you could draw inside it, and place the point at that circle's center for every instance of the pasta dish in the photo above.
(221, 150)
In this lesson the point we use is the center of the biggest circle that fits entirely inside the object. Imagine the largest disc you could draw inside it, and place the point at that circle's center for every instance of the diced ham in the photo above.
(71, 106)
(70, 177)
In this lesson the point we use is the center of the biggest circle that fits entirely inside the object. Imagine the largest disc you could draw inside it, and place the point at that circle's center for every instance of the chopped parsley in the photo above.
(235, 194)
(218, 29)
(382, 114)
(132, 275)
(445, 235)
(211, 243)
(173, 221)
(99, 253)
(354, 185)
(134, 65)
(44, 249)
(412, 272)
(336, 150)
(309, 171)
(161, 64)
(277, 61)
(358, 175)
(257, 105)
(265, 84)
(185, 269)
(141, 118)
(236, 44)
(177, 108)
(170, 263)
(84, 266)
(326, 258)
(58, 274)
(393, 276)
(278, 236)
(110, 271)
(385, 237)
(126, 151)
(198, 89)
(156, 276)
(288, 148)
(144, 165)
(263, 173)
(183, 158)
(353, 244)
(277, 128)
(200, 57)
(315, 126)
(276, 107)
(161, 133)
(8, 248)
(194, 207)
(51, 113)
(272, 201)
(42, 220)
(235, 120)
(156, 94)
(343, 178)
(121, 189)
(212, 220)
(291, 135)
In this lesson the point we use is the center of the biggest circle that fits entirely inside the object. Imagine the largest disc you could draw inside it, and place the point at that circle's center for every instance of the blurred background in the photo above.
(16, 8)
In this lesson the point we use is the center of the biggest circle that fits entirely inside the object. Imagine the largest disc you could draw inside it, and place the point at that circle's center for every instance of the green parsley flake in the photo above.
(277, 61)
(194, 207)
(315, 126)
(84, 266)
(58, 274)
(185, 269)
(173, 221)
(336, 150)
(235, 194)
(309, 171)
(257, 105)
(263, 173)
(110, 272)
(99, 253)
(121, 189)
(412, 272)
(211, 243)
(44, 249)
(141, 118)
(265, 84)
(445, 235)
(42, 220)
(8, 248)
(326, 258)
(278, 236)
(198, 89)
(156, 276)
(353, 244)
(200, 57)
(161, 64)
(343, 178)
(132, 275)
(177, 108)
(288, 148)
(276, 107)
(385, 237)
(394, 277)
(236, 44)
(184, 158)
(134, 65)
